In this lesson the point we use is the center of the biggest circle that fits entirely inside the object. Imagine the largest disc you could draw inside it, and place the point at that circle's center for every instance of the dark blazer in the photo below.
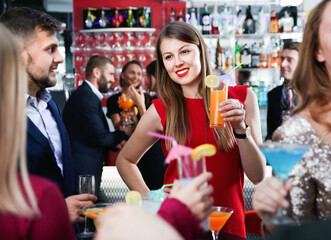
(274, 115)
(40, 157)
(89, 134)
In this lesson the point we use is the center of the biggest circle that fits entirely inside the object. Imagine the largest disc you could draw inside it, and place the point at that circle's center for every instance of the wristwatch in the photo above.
(244, 135)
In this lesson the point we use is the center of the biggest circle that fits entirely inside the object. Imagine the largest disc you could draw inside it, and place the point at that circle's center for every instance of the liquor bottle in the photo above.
(89, 19)
(180, 17)
(130, 20)
(172, 15)
(249, 25)
(117, 19)
(228, 59)
(103, 21)
(240, 19)
(225, 20)
(261, 26)
(273, 22)
(263, 94)
(255, 56)
(215, 21)
(286, 22)
(237, 55)
(205, 21)
(246, 57)
(193, 20)
(145, 19)
(263, 56)
(218, 54)
(223, 59)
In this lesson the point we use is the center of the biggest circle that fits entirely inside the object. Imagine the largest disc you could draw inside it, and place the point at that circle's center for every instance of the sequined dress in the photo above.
(311, 178)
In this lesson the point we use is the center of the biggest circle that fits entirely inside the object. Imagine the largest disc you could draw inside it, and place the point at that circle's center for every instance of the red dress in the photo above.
(228, 174)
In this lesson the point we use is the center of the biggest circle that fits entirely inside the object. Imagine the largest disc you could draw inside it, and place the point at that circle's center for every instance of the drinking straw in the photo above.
(167, 185)
(235, 67)
(180, 166)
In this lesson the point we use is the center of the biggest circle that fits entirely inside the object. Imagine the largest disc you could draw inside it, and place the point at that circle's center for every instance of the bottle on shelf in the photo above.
(180, 16)
(218, 54)
(130, 21)
(117, 19)
(264, 59)
(89, 19)
(273, 22)
(255, 56)
(261, 22)
(228, 59)
(246, 57)
(239, 24)
(249, 25)
(215, 21)
(225, 21)
(263, 94)
(205, 21)
(275, 58)
(103, 21)
(286, 23)
(172, 15)
(193, 20)
(145, 18)
(237, 54)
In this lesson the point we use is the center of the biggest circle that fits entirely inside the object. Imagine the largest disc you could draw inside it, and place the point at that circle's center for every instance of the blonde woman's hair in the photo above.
(311, 78)
(14, 199)
(171, 94)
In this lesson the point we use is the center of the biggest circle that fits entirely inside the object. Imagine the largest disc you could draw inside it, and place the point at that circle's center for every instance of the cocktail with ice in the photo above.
(282, 157)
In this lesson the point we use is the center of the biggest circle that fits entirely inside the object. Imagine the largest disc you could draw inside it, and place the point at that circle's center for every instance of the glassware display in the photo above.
(282, 157)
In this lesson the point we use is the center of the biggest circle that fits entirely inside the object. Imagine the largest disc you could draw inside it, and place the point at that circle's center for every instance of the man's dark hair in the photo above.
(23, 22)
(96, 61)
(291, 45)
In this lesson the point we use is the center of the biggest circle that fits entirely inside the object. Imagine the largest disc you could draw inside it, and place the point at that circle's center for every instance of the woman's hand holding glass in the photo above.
(235, 113)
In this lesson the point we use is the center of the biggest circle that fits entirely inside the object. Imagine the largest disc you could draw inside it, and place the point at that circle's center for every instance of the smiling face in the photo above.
(182, 62)
(106, 78)
(41, 57)
(132, 75)
(289, 63)
(324, 50)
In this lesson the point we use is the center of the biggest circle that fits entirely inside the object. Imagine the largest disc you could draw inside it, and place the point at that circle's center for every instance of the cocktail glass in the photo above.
(95, 210)
(282, 157)
(218, 218)
(126, 105)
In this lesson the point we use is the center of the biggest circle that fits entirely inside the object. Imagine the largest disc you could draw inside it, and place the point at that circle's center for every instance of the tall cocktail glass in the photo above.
(282, 157)
(218, 218)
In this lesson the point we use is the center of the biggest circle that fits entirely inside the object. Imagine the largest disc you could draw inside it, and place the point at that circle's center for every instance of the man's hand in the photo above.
(76, 203)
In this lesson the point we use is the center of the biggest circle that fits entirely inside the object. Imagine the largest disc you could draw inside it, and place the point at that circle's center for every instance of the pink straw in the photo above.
(174, 142)
(154, 134)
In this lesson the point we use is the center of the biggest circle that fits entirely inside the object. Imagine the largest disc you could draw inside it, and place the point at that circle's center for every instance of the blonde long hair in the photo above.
(171, 93)
(311, 78)
(13, 86)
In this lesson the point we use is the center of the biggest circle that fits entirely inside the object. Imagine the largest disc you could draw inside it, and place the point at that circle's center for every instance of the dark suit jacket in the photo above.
(89, 134)
(274, 115)
(40, 157)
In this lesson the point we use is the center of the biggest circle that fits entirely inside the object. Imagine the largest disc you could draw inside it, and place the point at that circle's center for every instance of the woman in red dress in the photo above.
(182, 111)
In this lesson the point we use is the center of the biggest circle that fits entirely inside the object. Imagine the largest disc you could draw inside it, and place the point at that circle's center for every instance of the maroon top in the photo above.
(228, 174)
(181, 218)
(53, 222)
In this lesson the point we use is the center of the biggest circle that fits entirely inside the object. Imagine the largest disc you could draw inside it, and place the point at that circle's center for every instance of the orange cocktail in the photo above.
(218, 218)
(93, 212)
(216, 97)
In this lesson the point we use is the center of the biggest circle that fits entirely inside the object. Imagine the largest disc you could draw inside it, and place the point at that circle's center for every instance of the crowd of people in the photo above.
(43, 152)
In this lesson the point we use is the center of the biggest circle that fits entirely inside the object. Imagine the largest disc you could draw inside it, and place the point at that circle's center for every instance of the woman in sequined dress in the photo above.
(310, 123)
